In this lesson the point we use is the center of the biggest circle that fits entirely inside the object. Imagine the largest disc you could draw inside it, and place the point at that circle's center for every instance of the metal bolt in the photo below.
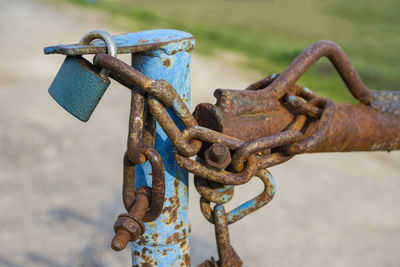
(120, 240)
(218, 152)
(217, 156)
(129, 226)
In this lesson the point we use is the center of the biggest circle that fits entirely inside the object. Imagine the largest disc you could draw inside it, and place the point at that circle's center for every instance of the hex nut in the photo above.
(129, 224)
(218, 156)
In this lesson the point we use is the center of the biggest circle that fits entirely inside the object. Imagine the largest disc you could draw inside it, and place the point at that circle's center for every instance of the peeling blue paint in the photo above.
(255, 203)
(166, 240)
(386, 101)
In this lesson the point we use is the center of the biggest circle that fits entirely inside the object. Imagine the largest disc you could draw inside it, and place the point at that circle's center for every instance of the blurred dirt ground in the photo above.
(60, 179)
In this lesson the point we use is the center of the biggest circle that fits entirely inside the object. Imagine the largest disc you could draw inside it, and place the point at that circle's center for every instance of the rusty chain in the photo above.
(222, 161)
(143, 204)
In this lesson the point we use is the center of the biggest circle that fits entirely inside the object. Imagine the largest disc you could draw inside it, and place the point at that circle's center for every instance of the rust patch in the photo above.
(143, 41)
(185, 98)
(172, 209)
(172, 239)
(178, 226)
(155, 237)
(147, 257)
(182, 244)
(190, 47)
(143, 240)
(166, 62)
(144, 250)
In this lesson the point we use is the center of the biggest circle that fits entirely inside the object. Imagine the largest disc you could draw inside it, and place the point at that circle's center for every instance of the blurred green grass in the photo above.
(269, 34)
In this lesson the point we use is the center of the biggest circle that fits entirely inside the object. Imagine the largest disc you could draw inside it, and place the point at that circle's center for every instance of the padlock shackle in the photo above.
(108, 39)
(103, 35)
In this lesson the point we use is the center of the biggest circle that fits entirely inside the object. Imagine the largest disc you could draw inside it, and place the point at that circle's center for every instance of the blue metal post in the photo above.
(165, 54)
(166, 240)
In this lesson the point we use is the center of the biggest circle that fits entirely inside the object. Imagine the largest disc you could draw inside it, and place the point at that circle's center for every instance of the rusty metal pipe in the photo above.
(359, 128)
(353, 127)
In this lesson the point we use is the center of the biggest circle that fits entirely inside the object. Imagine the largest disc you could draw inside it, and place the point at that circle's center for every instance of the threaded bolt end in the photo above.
(120, 240)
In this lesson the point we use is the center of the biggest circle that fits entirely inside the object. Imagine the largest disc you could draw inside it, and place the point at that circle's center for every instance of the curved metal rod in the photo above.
(279, 87)
(247, 207)
(214, 192)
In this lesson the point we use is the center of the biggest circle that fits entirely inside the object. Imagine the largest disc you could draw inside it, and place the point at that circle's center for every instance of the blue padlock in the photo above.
(78, 86)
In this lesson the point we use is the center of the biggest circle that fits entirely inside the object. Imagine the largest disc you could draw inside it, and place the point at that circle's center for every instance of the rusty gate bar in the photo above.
(166, 240)
(355, 127)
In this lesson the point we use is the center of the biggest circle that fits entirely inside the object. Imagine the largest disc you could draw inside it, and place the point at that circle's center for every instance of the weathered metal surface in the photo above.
(129, 226)
(78, 87)
(145, 149)
(166, 240)
(212, 191)
(217, 156)
(261, 144)
(136, 123)
(109, 41)
(359, 128)
(143, 204)
(247, 207)
(132, 78)
(223, 177)
(262, 109)
(209, 263)
(129, 181)
(140, 145)
(315, 137)
(171, 129)
(386, 101)
(227, 254)
(157, 184)
(353, 127)
(126, 43)
(236, 101)
(162, 95)
(222, 234)
(158, 72)
(264, 125)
